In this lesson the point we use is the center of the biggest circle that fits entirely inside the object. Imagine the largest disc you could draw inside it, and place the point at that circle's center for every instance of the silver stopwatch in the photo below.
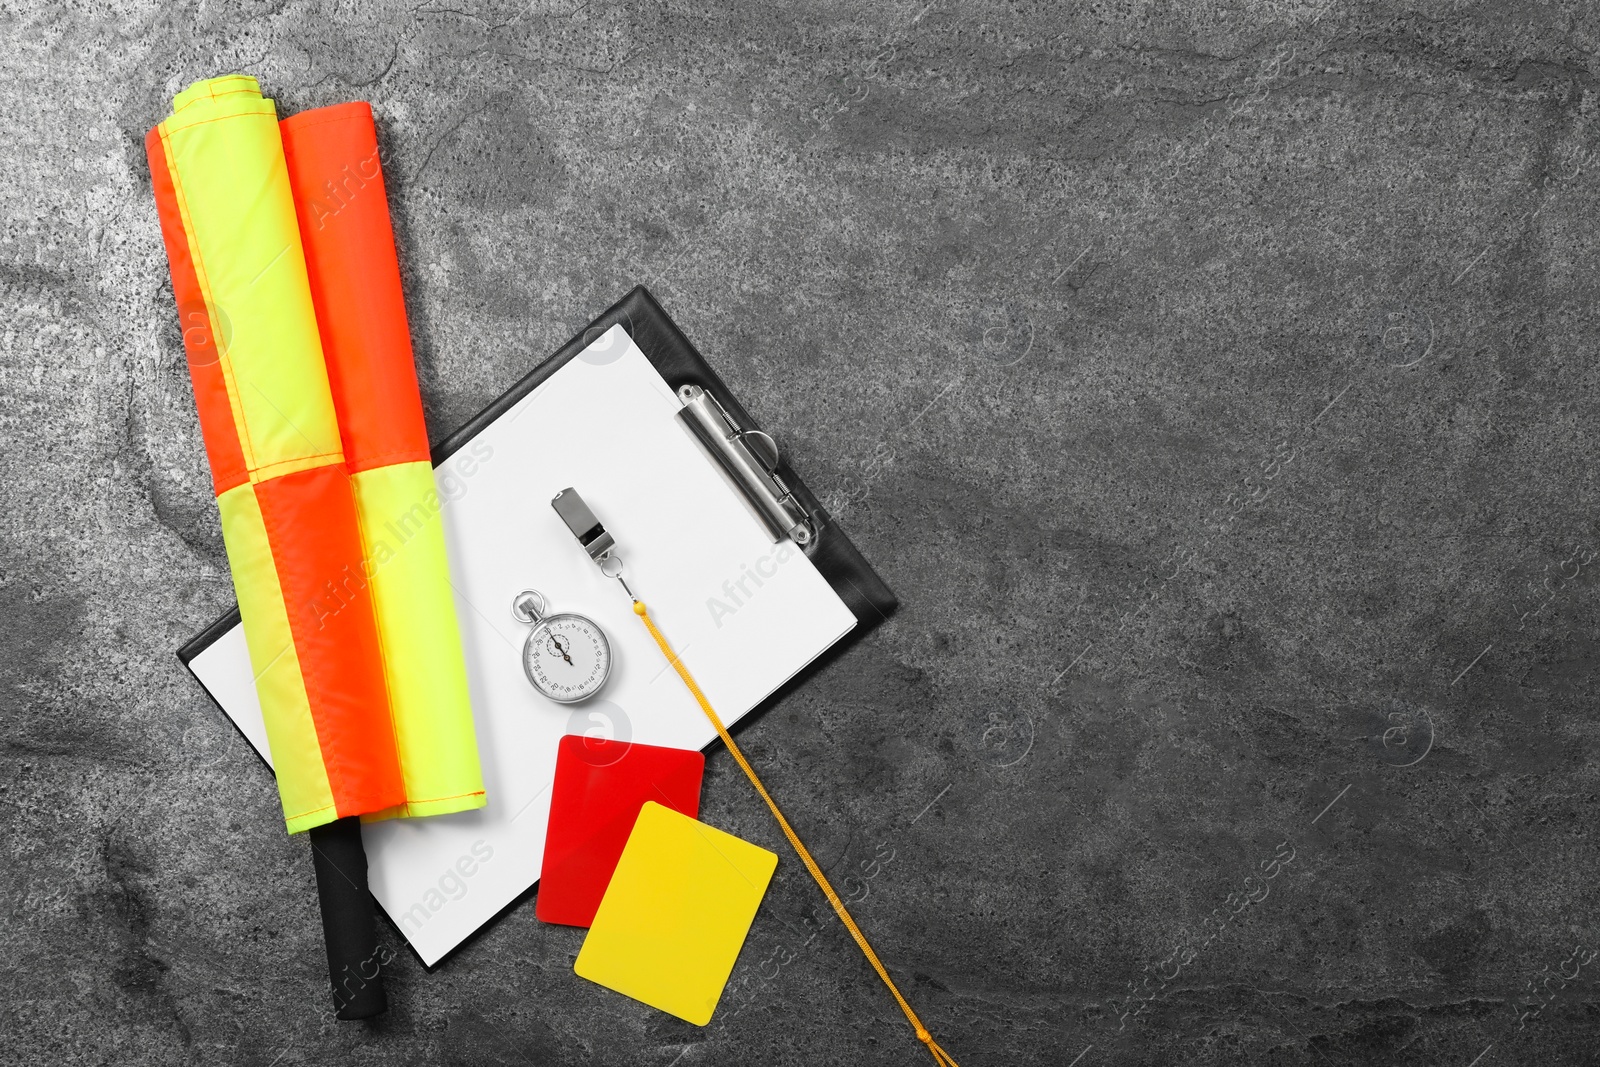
(567, 656)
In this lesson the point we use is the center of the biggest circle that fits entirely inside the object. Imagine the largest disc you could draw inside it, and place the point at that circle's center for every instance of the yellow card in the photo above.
(675, 914)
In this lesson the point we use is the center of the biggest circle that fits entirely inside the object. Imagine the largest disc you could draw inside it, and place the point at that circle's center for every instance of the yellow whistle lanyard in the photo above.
(940, 1056)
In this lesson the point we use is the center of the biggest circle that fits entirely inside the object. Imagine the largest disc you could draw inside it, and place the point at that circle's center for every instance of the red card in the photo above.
(599, 788)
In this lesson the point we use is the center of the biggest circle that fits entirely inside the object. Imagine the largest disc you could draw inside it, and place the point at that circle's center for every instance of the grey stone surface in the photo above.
(1214, 384)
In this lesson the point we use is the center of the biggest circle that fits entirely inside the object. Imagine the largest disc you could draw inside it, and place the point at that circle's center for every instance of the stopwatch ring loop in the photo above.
(524, 611)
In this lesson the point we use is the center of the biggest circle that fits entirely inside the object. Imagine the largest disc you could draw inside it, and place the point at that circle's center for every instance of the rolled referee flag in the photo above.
(278, 467)
(277, 460)
(337, 182)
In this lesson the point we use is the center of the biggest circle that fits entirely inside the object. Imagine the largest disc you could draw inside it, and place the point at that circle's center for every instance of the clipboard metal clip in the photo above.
(749, 460)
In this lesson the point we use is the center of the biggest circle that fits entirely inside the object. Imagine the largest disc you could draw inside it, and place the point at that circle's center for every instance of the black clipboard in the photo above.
(677, 360)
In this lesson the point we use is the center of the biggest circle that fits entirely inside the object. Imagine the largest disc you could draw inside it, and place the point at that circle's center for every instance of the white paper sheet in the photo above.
(745, 615)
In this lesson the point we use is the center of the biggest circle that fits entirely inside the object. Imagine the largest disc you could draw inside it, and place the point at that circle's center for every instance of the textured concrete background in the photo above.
(1214, 384)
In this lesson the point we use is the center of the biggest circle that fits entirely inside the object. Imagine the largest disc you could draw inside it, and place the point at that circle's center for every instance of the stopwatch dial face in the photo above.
(567, 658)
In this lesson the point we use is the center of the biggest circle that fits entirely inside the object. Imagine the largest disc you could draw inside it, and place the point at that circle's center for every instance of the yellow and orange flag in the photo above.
(301, 361)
